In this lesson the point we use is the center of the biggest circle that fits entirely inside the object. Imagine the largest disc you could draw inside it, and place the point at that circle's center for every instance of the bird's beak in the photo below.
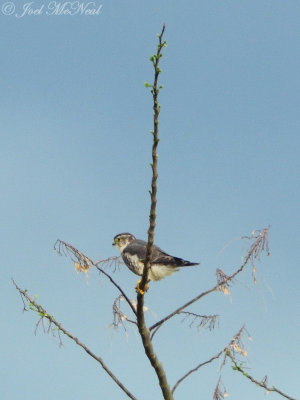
(113, 244)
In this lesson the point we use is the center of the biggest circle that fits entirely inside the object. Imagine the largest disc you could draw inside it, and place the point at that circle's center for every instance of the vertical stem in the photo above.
(143, 330)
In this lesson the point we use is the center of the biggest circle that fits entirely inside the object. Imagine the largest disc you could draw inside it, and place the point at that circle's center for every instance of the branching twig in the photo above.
(205, 321)
(119, 316)
(262, 383)
(219, 393)
(236, 339)
(83, 263)
(143, 330)
(202, 321)
(44, 314)
(215, 357)
(260, 244)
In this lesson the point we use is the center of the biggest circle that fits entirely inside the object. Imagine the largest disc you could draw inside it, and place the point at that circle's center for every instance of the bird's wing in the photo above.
(137, 248)
(158, 256)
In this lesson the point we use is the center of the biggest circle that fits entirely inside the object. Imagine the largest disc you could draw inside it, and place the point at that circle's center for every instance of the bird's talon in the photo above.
(139, 290)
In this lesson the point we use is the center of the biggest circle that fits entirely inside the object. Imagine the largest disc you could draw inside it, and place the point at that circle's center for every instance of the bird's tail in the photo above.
(184, 263)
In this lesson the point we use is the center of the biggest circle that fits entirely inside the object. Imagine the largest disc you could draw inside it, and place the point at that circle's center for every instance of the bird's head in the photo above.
(122, 240)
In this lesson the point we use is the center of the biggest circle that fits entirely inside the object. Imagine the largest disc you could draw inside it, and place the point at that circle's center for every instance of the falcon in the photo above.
(133, 252)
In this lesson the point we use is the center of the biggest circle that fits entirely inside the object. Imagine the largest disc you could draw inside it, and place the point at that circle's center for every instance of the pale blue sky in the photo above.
(75, 117)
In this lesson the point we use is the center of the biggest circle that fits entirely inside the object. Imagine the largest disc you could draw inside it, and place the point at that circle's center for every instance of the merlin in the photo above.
(133, 252)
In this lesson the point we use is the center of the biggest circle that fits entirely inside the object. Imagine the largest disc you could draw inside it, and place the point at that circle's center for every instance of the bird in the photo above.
(133, 252)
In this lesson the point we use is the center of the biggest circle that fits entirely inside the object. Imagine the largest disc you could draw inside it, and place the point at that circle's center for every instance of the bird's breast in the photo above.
(133, 263)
